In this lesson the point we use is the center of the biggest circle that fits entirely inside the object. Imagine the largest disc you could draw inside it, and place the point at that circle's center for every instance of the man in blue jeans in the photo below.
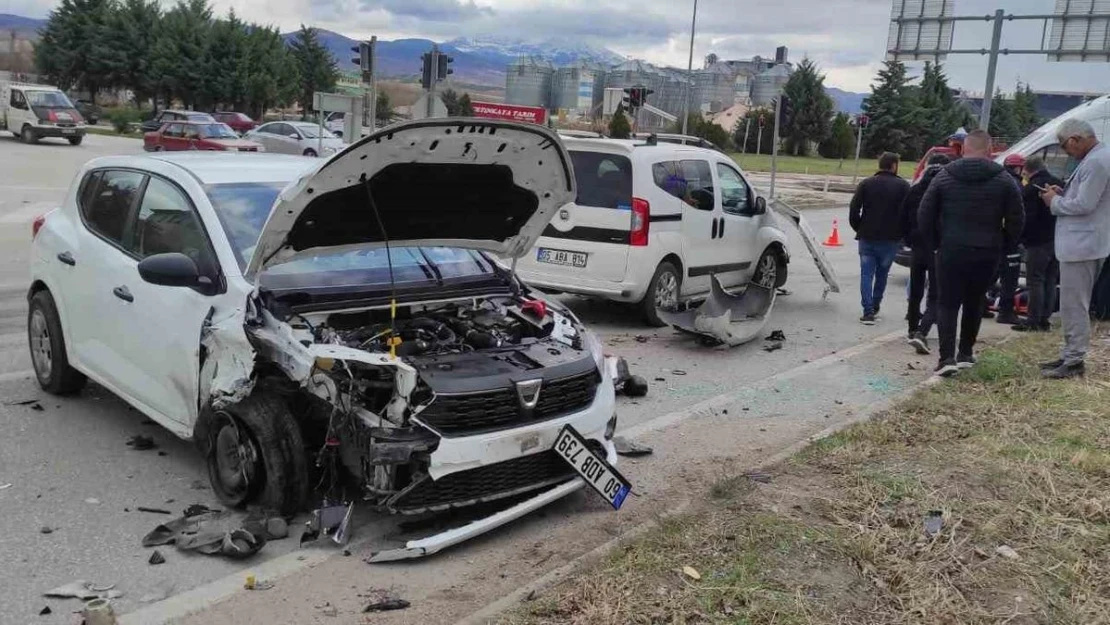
(876, 215)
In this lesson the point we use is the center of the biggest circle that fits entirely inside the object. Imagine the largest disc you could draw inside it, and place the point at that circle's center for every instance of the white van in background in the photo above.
(652, 222)
(32, 112)
(1042, 142)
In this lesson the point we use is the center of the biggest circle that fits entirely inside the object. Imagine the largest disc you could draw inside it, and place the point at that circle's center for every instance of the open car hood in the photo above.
(471, 183)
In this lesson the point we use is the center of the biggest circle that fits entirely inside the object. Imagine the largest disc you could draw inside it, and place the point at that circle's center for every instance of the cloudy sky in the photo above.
(846, 37)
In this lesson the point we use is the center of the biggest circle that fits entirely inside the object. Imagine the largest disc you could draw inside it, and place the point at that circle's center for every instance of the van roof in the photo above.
(628, 146)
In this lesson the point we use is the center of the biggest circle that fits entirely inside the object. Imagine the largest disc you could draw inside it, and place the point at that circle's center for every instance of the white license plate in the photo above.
(602, 477)
(68, 131)
(561, 257)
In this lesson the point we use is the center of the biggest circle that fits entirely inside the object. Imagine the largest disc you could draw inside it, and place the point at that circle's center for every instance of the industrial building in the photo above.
(579, 90)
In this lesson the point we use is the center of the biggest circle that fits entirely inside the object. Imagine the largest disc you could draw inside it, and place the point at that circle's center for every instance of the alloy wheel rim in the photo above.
(666, 293)
(42, 356)
(768, 271)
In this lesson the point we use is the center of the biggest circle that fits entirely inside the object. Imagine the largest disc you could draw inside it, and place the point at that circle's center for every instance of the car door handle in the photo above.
(714, 233)
(721, 229)
(67, 258)
(124, 294)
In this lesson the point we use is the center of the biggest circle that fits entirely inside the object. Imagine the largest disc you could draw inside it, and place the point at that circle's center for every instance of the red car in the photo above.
(197, 136)
(239, 122)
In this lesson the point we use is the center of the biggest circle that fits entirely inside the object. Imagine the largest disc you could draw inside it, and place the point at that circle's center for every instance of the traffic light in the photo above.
(443, 66)
(429, 69)
(626, 100)
(786, 111)
(365, 59)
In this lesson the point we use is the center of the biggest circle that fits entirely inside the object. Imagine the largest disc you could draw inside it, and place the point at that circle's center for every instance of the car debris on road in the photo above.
(84, 590)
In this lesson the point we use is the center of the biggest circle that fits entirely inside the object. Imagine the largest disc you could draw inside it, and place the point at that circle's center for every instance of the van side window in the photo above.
(699, 184)
(604, 180)
(734, 191)
(17, 99)
(668, 178)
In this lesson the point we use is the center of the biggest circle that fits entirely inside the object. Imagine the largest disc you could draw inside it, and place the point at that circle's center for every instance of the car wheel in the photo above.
(76, 140)
(663, 293)
(48, 348)
(256, 456)
(310, 152)
(158, 148)
(28, 135)
(769, 272)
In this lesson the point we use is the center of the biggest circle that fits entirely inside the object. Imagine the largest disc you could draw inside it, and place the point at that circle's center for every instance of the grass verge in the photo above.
(985, 499)
(815, 165)
(110, 132)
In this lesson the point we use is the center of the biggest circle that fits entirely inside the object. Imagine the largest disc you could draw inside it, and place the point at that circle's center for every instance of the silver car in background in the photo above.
(300, 138)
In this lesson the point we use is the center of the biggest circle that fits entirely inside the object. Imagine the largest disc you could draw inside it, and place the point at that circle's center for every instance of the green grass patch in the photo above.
(109, 132)
(814, 165)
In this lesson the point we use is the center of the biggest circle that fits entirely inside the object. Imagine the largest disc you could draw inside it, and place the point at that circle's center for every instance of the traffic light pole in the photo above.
(431, 111)
(859, 144)
(373, 85)
(775, 146)
(759, 141)
(744, 145)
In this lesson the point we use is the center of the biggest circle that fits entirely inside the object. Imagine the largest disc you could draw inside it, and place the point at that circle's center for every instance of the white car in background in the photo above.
(300, 138)
(348, 315)
(653, 223)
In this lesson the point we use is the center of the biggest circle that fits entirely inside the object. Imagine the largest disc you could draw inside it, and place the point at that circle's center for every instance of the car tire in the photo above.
(75, 140)
(310, 152)
(770, 271)
(48, 348)
(157, 148)
(256, 455)
(664, 288)
(28, 136)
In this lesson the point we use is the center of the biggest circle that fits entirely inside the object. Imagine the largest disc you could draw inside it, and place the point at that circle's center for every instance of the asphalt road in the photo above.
(71, 471)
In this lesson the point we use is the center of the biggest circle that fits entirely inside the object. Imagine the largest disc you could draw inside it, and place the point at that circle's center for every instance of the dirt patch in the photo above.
(981, 500)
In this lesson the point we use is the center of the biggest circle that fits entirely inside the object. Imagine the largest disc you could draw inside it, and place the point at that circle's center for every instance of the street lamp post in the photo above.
(689, 71)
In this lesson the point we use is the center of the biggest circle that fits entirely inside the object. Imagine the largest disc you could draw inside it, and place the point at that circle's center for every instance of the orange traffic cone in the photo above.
(834, 236)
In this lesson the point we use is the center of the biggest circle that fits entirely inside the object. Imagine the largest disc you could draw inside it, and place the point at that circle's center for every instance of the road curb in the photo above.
(488, 613)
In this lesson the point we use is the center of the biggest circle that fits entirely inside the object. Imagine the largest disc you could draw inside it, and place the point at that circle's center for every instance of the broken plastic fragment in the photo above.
(156, 558)
(81, 589)
(629, 448)
(934, 520)
(386, 605)
(726, 318)
(331, 520)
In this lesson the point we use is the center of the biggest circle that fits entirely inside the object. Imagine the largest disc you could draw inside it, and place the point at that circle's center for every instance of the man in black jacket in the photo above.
(875, 215)
(922, 262)
(1042, 271)
(970, 213)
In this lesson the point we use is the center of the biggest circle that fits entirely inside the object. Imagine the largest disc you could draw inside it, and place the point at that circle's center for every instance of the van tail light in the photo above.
(37, 225)
(641, 222)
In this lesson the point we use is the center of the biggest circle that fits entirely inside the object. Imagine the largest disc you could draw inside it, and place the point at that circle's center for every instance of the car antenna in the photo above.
(394, 340)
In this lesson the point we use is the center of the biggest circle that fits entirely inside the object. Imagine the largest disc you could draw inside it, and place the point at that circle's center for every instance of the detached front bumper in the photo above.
(433, 544)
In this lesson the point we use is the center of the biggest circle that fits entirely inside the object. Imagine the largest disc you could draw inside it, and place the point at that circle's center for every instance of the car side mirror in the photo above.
(170, 269)
(760, 205)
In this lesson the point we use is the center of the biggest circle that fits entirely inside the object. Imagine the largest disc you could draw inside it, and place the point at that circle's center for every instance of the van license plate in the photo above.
(68, 131)
(601, 477)
(561, 257)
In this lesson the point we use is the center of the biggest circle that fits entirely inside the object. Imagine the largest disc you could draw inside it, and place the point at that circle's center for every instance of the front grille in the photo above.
(485, 411)
(489, 483)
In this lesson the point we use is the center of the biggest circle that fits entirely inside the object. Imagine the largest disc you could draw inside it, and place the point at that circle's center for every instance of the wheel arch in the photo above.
(38, 285)
(779, 249)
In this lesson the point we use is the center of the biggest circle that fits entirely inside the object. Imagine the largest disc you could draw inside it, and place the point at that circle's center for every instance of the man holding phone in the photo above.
(1082, 211)
(1039, 235)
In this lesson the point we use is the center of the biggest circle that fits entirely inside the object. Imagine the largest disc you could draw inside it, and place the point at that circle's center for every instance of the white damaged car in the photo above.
(338, 323)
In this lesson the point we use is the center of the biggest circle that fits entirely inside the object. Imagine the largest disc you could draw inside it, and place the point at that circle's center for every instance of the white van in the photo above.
(652, 222)
(1042, 142)
(31, 112)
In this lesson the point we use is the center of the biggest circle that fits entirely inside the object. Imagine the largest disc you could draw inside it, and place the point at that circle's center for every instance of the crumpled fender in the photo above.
(227, 364)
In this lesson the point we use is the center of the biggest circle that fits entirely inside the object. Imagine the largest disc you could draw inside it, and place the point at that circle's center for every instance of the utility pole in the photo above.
(373, 83)
(992, 67)
(689, 72)
(775, 145)
(861, 123)
(759, 138)
(747, 127)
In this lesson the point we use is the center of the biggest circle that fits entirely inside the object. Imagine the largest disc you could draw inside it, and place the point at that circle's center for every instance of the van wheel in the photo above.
(770, 272)
(48, 348)
(663, 292)
(28, 135)
(310, 152)
(75, 140)
(256, 456)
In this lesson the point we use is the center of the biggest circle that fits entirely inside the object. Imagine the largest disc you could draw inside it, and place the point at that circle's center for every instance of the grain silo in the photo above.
(528, 83)
(769, 84)
(573, 88)
(715, 88)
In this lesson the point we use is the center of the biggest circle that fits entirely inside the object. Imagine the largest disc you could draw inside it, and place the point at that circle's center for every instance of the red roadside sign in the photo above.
(511, 112)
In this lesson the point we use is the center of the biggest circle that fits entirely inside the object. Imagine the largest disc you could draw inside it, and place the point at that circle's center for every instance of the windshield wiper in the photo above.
(430, 265)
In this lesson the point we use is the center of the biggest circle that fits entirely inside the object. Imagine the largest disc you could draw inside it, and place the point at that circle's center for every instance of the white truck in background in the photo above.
(32, 112)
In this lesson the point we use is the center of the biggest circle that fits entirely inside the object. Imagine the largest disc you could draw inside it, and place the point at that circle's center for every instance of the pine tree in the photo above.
(619, 128)
(384, 110)
(315, 63)
(134, 25)
(75, 45)
(1003, 123)
(270, 75)
(466, 108)
(181, 52)
(450, 101)
(813, 108)
(224, 62)
(1025, 110)
(841, 140)
(890, 113)
(936, 113)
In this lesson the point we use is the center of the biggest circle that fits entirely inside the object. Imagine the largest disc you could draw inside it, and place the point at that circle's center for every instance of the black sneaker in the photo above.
(988, 314)
(1054, 364)
(1064, 372)
(965, 362)
(919, 343)
(877, 308)
(1007, 319)
(868, 319)
(1028, 327)
(946, 368)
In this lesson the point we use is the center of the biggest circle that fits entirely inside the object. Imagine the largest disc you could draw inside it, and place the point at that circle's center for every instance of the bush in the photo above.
(122, 117)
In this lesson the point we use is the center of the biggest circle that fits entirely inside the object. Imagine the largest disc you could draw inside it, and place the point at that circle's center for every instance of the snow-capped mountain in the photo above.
(559, 51)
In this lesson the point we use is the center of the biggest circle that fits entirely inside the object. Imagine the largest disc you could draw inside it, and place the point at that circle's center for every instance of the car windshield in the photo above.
(312, 132)
(200, 117)
(49, 100)
(217, 131)
(244, 207)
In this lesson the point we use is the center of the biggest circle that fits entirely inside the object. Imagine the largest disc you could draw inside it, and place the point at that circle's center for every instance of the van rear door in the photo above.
(591, 235)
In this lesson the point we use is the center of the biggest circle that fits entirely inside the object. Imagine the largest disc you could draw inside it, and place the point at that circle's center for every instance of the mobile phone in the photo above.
(1040, 188)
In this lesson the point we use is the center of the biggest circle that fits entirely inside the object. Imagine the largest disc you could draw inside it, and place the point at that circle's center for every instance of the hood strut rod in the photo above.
(394, 340)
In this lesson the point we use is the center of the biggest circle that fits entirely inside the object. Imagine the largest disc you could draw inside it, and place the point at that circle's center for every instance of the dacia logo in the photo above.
(528, 394)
